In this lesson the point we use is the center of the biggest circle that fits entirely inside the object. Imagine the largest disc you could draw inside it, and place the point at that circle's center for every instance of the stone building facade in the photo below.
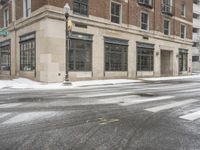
(109, 39)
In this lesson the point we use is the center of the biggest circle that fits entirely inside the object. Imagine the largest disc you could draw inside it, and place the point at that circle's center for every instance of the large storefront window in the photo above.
(80, 53)
(183, 60)
(116, 58)
(5, 56)
(27, 52)
(145, 57)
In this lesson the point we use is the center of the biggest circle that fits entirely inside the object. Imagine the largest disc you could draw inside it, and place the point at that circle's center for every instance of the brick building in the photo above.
(109, 39)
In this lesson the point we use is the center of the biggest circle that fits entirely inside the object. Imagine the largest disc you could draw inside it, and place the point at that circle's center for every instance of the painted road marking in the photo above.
(10, 105)
(191, 116)
(131, 101)
(105, 94)
(2, 115)
(171, 105)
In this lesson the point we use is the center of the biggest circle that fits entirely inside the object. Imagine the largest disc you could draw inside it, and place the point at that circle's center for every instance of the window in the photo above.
(144, 21)
(145, 2)
(166, 27)
(80, 53)
(195, 58)
(5, 56)
(116, 54)
(5, 17)
(80, 7)
(196, 16)
(167, 7)
(183, 10)
(195, 44)
(195, 30)
(115, 12)
(145, 57)
(183, 31)
(183, 60)
(27, 52)
(27, 8)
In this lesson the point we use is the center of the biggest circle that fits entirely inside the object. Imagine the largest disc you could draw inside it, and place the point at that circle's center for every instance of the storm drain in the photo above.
(31, 99)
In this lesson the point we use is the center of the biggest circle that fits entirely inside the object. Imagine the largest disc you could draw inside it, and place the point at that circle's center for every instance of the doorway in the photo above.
(166, 63)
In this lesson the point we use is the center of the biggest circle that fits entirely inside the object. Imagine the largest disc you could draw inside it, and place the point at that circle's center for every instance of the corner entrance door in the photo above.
(166, 63)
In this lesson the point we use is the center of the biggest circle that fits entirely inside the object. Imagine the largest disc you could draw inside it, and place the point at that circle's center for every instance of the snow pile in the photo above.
(22, 83)
(171, 78)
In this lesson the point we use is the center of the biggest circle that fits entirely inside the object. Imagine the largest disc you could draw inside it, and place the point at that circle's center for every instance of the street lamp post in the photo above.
(66, 12)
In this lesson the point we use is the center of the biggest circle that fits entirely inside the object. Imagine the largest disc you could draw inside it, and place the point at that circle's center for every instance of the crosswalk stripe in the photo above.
(105, 94)
(191, 116)
(171, 105)
(131, 101)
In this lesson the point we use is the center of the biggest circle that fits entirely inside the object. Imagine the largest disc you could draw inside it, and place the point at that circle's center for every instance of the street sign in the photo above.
(3, 32)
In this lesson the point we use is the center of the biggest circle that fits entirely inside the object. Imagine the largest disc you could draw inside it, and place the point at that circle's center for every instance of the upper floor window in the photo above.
(183, 10)
(148, 3)
(167, 7)
(115, 12)
(144, 21)
(5, 17)
(183, 31)
(80, 7)
(27, 8)
(166, 27)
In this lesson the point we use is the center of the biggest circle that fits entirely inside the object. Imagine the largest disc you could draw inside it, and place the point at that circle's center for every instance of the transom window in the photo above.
(115, 12)
(183, 31)
(80, 7)
(27, 8)
(80, 53)
(27, 53)
(144, 21)
(5, 56)
(145, 57)
(166, 27)
(5, 17)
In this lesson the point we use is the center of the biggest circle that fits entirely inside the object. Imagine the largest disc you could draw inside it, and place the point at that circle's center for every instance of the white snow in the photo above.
(2, 115)
(10, 105)
(171, 78)
(30, 116)
(22, 83)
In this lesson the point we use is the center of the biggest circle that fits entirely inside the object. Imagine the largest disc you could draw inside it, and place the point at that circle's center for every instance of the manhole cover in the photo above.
(31, 99)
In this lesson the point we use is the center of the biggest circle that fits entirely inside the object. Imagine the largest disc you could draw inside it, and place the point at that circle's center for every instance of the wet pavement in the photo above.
(159, 115)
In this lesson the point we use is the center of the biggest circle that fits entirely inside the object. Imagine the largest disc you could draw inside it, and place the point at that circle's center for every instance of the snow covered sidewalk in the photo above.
(22, 83)
(171, 78)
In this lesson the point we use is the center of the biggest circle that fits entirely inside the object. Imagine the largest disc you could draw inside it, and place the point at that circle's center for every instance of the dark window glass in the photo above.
(145, 2)
(166, 27)
(183, 61)
(80, 55)
(195, 58)
(5, 58)
(183, 31)
(80, 7)
(144, 21)
(27, 55)
(115, 12)
(115, 57)
(145, 59)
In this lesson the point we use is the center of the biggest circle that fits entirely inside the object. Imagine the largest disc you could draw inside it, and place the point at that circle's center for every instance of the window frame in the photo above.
(27, 8)
(185, 31)
(120, 13)
(6, 44)
(6, 17)
(182, 55)
(142, 2)
(81, 4)
(183, 10)
(169, 27)
(141, 23)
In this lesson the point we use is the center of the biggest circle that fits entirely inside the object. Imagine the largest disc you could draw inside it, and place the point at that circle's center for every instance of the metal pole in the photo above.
(67, 82)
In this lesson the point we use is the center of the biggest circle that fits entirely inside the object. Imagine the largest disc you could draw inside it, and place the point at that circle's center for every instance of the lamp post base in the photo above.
(67, 82)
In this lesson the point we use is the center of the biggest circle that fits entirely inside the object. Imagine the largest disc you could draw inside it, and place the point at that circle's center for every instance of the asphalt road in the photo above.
(160, 115)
